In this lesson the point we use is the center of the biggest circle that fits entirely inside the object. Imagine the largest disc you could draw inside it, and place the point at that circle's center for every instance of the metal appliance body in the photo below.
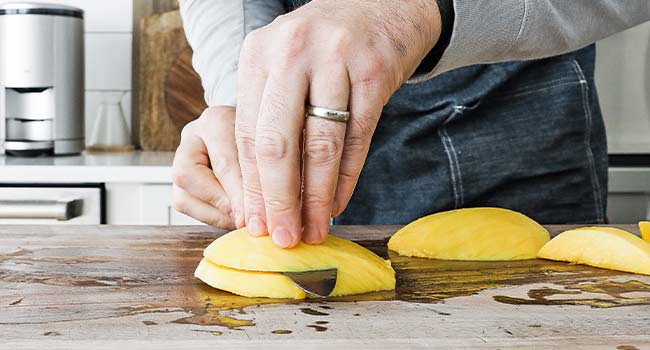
(41, 79)
(52, 204)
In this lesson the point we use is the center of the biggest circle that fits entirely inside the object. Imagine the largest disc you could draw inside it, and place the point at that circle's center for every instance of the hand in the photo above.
(297, 172)
(207, 179)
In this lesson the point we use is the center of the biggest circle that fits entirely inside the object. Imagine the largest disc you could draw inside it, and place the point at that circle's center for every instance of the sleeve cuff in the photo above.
(224, 93)
(483, 31)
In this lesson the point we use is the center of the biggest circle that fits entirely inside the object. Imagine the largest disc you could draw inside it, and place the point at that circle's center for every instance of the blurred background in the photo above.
(139, 89)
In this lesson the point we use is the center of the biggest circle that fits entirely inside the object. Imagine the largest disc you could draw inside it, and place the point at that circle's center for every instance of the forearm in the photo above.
(489, 31)
(215, 30)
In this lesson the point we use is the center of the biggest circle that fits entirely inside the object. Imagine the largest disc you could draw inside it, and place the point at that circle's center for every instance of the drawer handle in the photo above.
(61, 210)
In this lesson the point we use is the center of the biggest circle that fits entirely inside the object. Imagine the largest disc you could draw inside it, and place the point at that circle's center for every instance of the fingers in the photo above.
(277, 144)
(189, 205)
(251, 85)
(218, 134)
(323, 146)
(192, 174)
(366, 105)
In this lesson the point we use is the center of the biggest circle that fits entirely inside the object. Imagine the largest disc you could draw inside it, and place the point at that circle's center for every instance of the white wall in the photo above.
(108, 34)
(623, 80)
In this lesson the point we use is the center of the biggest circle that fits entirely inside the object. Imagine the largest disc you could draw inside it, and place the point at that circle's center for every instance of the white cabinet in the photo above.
(142, 204)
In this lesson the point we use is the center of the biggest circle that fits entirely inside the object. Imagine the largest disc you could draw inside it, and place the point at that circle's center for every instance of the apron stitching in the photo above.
(450, 151)
(459, 178)
(590, 156)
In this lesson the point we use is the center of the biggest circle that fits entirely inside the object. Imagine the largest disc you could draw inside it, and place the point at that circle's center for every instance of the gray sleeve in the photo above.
(489, 31)
(215, 30)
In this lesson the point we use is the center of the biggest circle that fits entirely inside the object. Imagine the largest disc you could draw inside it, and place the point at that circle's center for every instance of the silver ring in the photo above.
(329, 114)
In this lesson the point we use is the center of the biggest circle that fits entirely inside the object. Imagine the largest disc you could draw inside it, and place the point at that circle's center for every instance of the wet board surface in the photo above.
(109, 286)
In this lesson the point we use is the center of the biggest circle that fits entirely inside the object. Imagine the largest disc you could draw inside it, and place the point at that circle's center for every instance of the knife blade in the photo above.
(319, 283)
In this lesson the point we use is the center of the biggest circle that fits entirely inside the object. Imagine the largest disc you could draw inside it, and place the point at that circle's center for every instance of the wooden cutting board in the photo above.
(132, 286)
(170, 93)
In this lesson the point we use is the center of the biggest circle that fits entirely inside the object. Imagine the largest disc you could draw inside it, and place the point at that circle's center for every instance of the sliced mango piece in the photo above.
(644, 227)
(248, 283)
(471, 234)
(605, 247)
(256, 260)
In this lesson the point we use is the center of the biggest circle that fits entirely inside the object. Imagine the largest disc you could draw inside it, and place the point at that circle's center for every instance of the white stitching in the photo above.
(536, 87)
(454, 166)
(588, 120)
(459, 178)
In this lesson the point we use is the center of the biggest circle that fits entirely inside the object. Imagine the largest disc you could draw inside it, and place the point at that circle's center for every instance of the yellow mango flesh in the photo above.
(248, 283)
(256, 262)
(644, 227)
(471, 234)
(605, 247)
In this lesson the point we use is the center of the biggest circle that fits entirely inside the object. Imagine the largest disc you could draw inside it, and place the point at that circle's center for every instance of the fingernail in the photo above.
(311, 234)
(281, 237)
(255, 226)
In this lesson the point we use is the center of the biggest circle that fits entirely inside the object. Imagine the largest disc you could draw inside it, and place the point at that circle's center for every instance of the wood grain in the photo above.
(183, 91)
(141, 9)
(162, 42)
(132, 287)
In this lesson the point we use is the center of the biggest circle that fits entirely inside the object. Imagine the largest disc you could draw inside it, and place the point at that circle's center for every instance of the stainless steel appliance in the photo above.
(41, 79)
(52, 204)
(623, 79)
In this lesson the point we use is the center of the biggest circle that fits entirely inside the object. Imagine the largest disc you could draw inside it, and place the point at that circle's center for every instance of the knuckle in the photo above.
(180, 177)
(317, 199)
(222, 165)
(218, 201)
(279, 205)
(294, 39)
(321, 149)
(254, 200)
(179, 205)
(218, 222)
(296, 28)
(363, 123)
(275, 105)
(340, 41)
(375, 66)
(271, 145)
(188, 129)
(245, 146)
(348, 175)
(252, 43)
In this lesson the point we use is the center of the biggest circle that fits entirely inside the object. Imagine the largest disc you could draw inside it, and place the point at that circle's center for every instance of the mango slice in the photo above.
(250, 266)
(644, 227)
(248, 283)
(605, 247)
(471, 234)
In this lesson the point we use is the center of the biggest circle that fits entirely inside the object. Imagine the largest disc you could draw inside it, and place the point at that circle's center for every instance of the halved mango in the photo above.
(471, 234)
(257, 263)
(248, 283)
(644, 227)
(605, 247)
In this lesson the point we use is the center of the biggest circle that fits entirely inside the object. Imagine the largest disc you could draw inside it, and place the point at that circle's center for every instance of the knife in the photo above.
(319, 283)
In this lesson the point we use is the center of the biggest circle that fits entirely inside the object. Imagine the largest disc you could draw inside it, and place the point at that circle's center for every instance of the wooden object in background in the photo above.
(164, 56)
(125, 287)
(141, 9)
(183, 92)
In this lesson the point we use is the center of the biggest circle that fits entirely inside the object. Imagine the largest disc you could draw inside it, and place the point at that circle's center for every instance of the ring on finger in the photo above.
(328, 114)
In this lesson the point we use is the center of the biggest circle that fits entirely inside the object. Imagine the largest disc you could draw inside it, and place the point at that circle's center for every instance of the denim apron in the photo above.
(528, 136)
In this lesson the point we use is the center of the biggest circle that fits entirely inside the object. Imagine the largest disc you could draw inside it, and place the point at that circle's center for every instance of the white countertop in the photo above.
(131, 167)
(155, 168)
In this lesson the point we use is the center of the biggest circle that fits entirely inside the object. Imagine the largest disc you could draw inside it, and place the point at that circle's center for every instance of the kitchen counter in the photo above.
(131, 167)
(64, 287)
(155, 167)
